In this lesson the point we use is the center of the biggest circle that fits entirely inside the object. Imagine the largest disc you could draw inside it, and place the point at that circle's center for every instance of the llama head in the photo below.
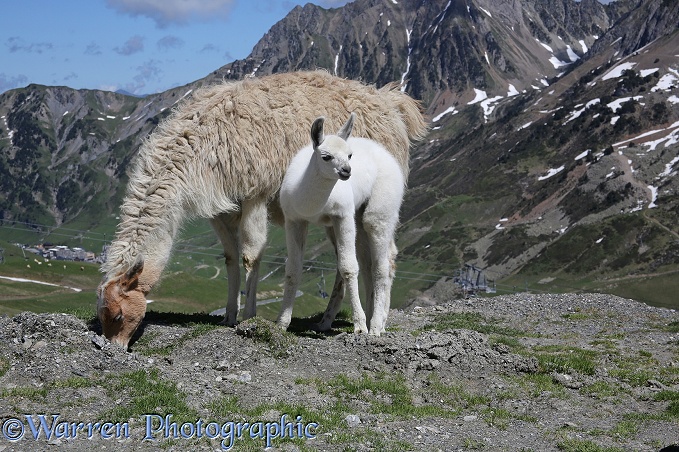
(121, 305)
(333, 152)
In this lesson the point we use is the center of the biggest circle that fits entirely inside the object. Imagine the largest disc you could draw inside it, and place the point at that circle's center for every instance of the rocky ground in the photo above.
(522, 372)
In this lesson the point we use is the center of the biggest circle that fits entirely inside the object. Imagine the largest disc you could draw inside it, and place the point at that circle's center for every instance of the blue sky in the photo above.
(141, 46)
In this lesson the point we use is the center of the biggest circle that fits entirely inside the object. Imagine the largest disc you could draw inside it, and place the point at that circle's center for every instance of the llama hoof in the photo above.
(228, 322)
(375, 333)
(321, 327)
(360, 330)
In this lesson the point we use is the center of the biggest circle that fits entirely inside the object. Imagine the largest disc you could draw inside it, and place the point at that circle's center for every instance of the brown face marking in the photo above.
(121, 307)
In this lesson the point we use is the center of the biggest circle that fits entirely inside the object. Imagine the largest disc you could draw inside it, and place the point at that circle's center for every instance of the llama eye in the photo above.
(327, 157)
(350, 156)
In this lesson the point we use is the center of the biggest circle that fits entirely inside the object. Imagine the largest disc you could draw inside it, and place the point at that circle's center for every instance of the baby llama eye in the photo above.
(327, 157)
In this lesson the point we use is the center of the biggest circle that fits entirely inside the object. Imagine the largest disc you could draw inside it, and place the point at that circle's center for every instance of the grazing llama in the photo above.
(327, 183)
(222, 155)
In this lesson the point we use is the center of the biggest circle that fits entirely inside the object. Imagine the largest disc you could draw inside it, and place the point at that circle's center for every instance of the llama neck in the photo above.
(316, 190)
(153, 245)
(147, 228)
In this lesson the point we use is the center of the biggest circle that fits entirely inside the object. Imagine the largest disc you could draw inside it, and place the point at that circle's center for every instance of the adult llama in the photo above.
(357, 197)
(222, 155)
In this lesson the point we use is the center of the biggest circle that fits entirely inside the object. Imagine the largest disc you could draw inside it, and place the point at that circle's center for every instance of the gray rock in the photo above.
(353, 420)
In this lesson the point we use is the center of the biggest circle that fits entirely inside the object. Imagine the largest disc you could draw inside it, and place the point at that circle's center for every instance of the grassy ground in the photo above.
(610, 377)
(194, 279)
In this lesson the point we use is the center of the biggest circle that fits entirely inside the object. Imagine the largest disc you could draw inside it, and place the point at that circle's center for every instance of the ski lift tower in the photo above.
(472, 280)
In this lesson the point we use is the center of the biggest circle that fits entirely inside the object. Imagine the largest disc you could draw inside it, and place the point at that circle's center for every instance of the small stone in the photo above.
(353, 420)
(470, 418)
(566, 381)
(223, 365)
(98, 341)
(243, 377)
(502, 349)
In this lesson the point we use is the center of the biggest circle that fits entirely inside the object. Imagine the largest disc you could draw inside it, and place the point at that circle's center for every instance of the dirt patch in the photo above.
(539, 372)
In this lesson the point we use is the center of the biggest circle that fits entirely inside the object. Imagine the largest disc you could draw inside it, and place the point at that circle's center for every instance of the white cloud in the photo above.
(16, 44)
(8, 82)
(92, 49)
(170, 42)
(149, 71)
(209, 48)
(133, 45)
(112, 88)
(333, 3)
(165, 12)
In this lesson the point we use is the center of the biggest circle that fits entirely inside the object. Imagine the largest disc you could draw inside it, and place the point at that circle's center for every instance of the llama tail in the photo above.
(411, 112)
(416, 127)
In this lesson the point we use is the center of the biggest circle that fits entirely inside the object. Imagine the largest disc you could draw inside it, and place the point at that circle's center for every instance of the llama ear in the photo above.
(345, 131)
(131, 278)
(317, 132)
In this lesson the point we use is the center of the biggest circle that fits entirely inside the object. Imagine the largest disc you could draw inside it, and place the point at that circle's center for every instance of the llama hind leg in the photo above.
(253, 237)
(337, 295)
(347, 264)
(383, 252)
(295, 236)
(393, 252)
(226, 227)
(364, 254)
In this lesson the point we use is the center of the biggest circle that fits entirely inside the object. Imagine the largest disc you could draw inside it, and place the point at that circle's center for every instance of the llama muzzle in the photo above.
(344, 173)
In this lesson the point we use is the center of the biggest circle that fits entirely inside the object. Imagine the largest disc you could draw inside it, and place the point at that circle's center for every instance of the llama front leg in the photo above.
(295, 236)
(347, 264)
(253, 236)
(226, 227)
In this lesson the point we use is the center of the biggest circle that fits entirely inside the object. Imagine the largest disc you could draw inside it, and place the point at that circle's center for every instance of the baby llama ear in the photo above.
(317, 132)
(345, 131)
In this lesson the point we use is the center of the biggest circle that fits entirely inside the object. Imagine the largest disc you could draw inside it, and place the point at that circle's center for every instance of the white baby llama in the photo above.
(344, 183)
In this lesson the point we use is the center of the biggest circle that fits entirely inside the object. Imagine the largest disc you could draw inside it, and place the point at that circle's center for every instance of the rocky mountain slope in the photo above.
(553, 130)
(437, 49)
(597, 143)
